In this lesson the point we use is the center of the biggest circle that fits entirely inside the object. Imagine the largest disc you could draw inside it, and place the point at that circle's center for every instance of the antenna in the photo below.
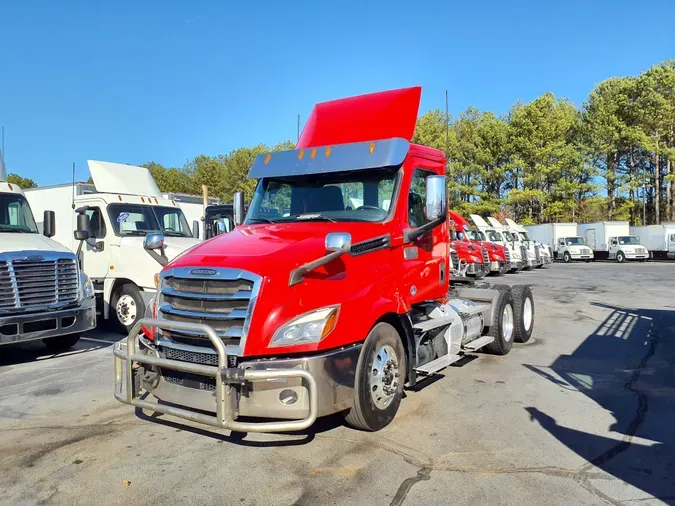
(298, 127)
(447, 129)
(3, 140)
(73, 203)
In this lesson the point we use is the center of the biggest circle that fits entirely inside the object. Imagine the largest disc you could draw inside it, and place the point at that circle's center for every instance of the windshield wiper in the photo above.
(175, 234)
(260, 220)
(314, 217)
(17, 231)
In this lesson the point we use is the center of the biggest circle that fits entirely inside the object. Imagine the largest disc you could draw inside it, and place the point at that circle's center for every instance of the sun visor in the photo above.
(371, 117)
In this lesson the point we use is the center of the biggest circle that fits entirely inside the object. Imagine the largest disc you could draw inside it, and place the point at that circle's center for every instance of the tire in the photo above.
(540, 266)
(501, 332)
(367, 414)
(523, 313)
(126, 307)
(567, 258)
(60, 343)
(620, 257)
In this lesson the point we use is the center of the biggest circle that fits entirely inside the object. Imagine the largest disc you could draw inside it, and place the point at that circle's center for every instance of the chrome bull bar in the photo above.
(226, 379)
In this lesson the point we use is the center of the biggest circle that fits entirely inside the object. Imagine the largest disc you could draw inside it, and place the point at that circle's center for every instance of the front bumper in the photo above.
(581, 256)
(517, 265)
(477, 270)
(500, 267)
(318, 385)
(637, 256)
(30, 327)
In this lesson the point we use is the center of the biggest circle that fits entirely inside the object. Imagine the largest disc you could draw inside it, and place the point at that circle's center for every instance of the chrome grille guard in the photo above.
(227, 379)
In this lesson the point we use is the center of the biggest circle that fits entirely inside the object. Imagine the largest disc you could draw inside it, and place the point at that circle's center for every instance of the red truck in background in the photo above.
(469, 260)
(331, 301)
(498, 258)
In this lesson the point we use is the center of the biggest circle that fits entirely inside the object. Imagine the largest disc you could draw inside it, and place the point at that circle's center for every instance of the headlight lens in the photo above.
(308, 328)
(87, 286)
(476, 260)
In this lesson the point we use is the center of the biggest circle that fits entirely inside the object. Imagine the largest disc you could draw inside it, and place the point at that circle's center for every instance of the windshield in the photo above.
(524, 236)
(575, 240)
(509, 236)
(15, 214)
(140, 220)
(495, 236)
(474, 236)
(481, 235)
(340, 196)
(629, 239)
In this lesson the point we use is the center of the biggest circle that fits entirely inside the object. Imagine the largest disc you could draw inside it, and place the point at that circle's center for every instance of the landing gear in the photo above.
(380, 375)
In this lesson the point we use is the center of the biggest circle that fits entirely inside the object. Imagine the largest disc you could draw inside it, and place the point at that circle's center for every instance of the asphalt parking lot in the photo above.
(582, 414)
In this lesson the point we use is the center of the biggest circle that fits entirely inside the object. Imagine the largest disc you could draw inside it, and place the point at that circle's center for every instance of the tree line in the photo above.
(543, 161)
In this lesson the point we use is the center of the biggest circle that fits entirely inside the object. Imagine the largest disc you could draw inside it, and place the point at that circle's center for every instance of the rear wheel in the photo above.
(523, 309)
(60, 343)
(126, 307)
(380, 374)
(504, 328)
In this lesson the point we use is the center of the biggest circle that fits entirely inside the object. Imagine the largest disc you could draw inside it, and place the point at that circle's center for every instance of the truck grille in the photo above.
(29, 284)
(523, 253)
(537, 253)
(454, 258)
(507, 255)
(223, 301)
(486, 257)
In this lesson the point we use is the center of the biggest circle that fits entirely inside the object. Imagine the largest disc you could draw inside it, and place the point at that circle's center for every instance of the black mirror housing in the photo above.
(49, 224)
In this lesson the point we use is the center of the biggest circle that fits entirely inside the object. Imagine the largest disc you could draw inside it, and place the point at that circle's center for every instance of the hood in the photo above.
(248, 247)
(29, 242)
(173, 246)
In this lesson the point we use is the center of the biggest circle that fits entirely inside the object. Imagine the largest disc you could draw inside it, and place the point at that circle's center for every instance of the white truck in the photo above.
(612, 240)
(193, 207)
(565, 239)
(538, 254)
(658, 239)
(43, 293)
(119, 210)
(495, 234)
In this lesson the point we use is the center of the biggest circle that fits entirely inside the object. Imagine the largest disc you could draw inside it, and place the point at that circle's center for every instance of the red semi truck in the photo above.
(330, 296)
(498, 258)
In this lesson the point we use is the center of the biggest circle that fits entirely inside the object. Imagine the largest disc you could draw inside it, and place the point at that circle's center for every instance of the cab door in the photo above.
(425, 259)
(613, 247)
(96, 250)
(671, 244)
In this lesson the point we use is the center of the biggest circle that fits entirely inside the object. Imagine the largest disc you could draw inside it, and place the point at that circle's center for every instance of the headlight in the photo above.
(476, 260)
(87, 286)
(308, 328)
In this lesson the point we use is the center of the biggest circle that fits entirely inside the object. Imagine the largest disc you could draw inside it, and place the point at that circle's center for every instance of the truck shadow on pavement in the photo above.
(31, 351)
(627, 366)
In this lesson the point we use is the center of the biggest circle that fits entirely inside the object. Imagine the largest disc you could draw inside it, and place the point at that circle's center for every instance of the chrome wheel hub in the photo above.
(507, 322)
(527, 313)
(126, 309)
(384, 376)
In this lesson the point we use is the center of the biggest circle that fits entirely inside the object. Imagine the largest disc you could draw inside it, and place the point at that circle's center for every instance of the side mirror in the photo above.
(49, 224)
(437, 197)
(338, 241)
(83, 231)
(153, 241)
(195, 229)
(238, 209)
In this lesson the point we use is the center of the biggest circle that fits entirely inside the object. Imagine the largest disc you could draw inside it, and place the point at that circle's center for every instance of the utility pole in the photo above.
(447, 132)
(3, 141)
(298, 128)
(644, 197)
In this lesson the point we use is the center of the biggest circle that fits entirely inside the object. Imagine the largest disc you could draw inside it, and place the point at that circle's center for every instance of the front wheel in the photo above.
(620, 257)
(380, 374)
(60, 343)
(126, 307)
(567, 258)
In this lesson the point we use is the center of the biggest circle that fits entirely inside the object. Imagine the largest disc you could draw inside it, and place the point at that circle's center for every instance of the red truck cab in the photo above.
(330, 296)
(473, 259)
(498, 258)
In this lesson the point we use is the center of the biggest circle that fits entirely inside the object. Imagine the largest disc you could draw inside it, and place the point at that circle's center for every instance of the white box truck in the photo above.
(612, 240)
(120, 209)
(43, 293)
(658, 239)
(564, 238)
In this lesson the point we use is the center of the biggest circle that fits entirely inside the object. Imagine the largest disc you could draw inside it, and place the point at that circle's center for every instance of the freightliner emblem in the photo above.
(34, 258)
(203, 272)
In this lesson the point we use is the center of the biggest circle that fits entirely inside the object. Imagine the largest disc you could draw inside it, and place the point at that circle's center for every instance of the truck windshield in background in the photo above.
(509, 236)
(628, 239)
(495, 236)
(474, 236)
(575, 241)
(15, 214)
(524, 236)
(339, 196)
(140, 220)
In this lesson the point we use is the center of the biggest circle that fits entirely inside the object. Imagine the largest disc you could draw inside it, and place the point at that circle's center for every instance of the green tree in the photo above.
(22, 182)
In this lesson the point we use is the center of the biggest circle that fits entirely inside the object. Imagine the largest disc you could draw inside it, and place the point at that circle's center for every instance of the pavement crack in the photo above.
(423, 474)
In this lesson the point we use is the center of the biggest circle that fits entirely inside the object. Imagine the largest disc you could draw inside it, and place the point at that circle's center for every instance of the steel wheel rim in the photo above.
(527, 314)
(126, 309)
(507, 322)
(384, 376)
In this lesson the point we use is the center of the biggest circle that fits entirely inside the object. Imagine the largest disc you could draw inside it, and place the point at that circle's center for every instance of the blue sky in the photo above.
(166, 80)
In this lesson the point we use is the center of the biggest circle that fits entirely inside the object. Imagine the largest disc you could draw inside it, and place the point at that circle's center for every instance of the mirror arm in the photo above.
(161, 258)
(412, 234)
(298, 274)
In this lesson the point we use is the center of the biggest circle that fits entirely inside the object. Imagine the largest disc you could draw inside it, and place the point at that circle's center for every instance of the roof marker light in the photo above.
(328, 150)
(313, 154)
(143, 199)
(10, 187)
(301, 154)
(120, 197)
(267, 158)
(372, 148)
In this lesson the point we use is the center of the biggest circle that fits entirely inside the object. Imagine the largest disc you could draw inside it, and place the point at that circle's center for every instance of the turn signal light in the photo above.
(156, 279)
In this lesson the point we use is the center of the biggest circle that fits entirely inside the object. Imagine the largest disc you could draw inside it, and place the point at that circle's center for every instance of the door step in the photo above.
(438, 364)
(434, 323)
(477, 344)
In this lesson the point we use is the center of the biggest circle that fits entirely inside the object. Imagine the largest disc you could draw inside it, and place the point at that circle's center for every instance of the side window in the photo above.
(672, 237)
(417, 198)
(13, 211)
(98, 230)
